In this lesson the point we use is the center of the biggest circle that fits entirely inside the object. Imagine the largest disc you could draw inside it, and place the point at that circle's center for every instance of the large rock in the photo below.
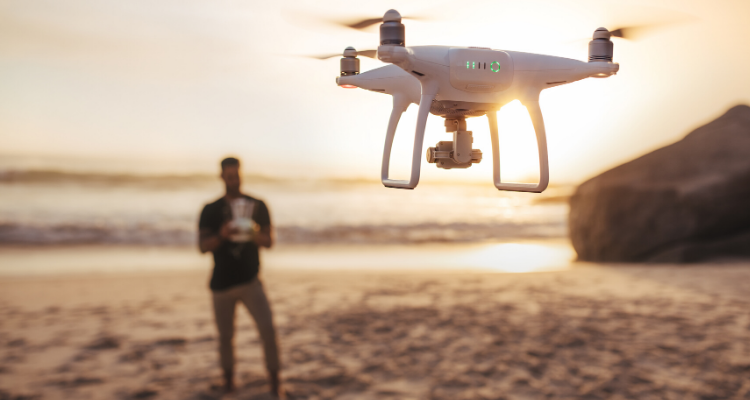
(688, 201)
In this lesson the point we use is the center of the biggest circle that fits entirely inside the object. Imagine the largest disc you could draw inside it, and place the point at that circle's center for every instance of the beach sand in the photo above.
(586, 332)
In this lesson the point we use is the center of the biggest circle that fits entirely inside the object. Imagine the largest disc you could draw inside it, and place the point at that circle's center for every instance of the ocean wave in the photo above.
(144, 234)
(149, 180)
(73, 234)
(50, 176)
(419, 233)
(105, 179)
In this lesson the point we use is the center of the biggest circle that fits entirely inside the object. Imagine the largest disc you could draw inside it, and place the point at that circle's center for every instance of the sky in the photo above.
(174, 85)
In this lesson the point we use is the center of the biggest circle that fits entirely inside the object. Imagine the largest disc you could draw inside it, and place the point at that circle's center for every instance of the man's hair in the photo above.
(229, 162)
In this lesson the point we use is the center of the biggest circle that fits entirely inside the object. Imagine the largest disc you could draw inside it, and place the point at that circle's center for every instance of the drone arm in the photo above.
(399, 106)
(541, 138)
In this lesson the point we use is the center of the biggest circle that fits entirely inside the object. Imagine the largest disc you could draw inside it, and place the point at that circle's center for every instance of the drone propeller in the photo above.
(637, 32)
(368, 22)
(318, 22)
(368, 53)
(364, 53)
(623, 33)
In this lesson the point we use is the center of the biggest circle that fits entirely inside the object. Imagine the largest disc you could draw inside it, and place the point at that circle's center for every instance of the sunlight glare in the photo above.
(519, 157)
(521, 257)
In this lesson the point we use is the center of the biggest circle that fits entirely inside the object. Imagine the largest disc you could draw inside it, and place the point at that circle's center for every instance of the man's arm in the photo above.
(264, 237)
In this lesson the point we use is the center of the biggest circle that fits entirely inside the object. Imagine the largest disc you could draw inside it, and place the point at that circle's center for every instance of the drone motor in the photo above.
(349, 62)
(601, 47)
(392, 31)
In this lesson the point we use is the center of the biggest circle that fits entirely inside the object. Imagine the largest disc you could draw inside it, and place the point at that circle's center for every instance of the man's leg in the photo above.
(254, 298)
(224, 304)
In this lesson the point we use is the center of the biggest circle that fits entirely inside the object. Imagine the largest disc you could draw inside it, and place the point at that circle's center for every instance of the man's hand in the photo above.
(227, 229)
(264, 237)
(209, 241)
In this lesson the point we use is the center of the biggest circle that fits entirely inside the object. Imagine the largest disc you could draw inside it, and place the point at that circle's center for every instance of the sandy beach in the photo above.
(586, 332)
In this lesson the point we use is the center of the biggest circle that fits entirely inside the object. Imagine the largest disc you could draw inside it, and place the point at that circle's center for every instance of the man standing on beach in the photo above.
(233, 228)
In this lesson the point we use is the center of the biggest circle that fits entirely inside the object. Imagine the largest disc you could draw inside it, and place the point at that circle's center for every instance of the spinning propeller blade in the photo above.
(638, 32)
(318, 22)
(625, 32)
(366, 23)
(621, 33)
(634, 32)
(324, 56)
(364, 53)
(368, 53)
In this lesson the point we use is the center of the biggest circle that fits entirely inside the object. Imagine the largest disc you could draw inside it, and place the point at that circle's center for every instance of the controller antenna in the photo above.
(601, 48)
(392, 30)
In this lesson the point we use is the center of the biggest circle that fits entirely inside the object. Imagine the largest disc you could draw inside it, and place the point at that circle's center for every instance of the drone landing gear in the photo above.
(400, 104)
(458, 153)
(535, 112)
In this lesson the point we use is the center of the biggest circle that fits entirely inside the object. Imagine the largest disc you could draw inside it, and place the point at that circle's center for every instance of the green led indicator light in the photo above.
(467, 65)
(495, 66)
(473, 65)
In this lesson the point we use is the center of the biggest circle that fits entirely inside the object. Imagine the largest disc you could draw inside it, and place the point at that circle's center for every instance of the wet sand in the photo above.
(587, 332)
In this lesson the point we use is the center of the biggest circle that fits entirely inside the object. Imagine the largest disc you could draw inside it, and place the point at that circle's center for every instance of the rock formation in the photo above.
(689, 201)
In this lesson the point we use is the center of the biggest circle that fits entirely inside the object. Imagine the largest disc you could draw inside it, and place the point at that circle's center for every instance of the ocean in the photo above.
(63, 221)
(64, 208)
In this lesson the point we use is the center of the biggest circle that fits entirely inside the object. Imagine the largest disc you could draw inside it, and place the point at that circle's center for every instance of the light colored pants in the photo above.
(252, 295)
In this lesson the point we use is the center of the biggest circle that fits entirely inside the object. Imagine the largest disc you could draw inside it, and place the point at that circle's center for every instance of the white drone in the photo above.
(460, 82)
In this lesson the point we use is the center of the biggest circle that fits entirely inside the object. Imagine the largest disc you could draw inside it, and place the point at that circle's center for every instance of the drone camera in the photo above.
(601, 47)
(458, 153)
(392, 31)
(349, 62)
(443, 156)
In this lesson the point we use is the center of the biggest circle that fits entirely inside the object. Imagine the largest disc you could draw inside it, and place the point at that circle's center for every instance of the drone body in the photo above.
(460, 82)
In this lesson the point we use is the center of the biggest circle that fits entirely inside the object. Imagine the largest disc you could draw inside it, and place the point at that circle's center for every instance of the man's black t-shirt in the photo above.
(234, 263)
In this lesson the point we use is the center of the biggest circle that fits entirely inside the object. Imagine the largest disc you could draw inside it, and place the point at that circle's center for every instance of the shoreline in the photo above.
(517, 256)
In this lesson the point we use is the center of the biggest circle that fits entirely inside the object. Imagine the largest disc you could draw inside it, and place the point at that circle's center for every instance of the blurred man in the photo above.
(233, 228)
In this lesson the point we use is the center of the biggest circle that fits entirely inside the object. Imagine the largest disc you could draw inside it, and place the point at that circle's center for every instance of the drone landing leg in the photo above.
(535, 112)
(398, 109)
(424, 111)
